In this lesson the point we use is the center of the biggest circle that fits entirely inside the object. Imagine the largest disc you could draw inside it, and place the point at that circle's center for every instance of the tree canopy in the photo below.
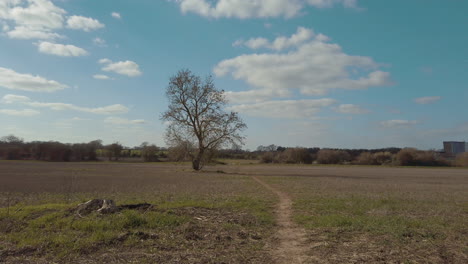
(196, 117)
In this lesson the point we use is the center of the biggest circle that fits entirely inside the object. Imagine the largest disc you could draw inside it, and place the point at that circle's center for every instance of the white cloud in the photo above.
(12, 98)
(104, 61)
(123, 121)
(39, 14)
(22, 32)
(61, 50)
(256, 43)
(32, 19)
(427, 99)
(128, 68)
(101, 77)
(247, 9)
(331, 3)
(314, 68)
(40, 19)
(105, 110)
(351, 109)
(238, 43)
(280, 43)
(116, 15)
(302, 35)
(398, 123)
(284, 109)
(26, 82)
(25, 112)
(99, 42)
(83, 23)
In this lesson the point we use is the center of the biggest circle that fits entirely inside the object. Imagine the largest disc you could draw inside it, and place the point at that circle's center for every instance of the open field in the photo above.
(244, 213)
(355, 214)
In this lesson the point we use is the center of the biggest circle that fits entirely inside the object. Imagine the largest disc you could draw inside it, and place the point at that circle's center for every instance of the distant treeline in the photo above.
(383, 156)
(279, 154)
(14, 148)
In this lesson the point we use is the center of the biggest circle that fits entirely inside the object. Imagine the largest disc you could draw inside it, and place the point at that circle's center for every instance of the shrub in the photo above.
(406, 157)
(414, 157)
(288, 155)
(329, 156)
(180, 152)
(267, 157)
(365, 158)
(382, 158)
(378, 158)
(462, 160)
(149, 153)
(296, 155)
(185, 151)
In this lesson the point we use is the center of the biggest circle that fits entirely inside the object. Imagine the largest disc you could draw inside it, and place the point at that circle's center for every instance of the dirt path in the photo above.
(292, 239)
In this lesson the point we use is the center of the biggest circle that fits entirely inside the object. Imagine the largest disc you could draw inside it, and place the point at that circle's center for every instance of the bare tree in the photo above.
(196, 115)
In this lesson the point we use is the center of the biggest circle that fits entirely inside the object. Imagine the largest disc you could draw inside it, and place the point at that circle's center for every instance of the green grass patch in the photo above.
(52, 228)
(397, 217)
(55, 231)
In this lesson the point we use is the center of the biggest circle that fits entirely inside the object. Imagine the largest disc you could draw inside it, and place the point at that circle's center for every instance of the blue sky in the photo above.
(314, 73)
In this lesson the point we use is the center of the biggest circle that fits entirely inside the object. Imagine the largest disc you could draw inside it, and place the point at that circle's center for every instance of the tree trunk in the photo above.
(197, 161)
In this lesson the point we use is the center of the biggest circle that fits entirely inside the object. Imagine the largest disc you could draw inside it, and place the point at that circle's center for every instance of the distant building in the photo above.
(455, 147)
